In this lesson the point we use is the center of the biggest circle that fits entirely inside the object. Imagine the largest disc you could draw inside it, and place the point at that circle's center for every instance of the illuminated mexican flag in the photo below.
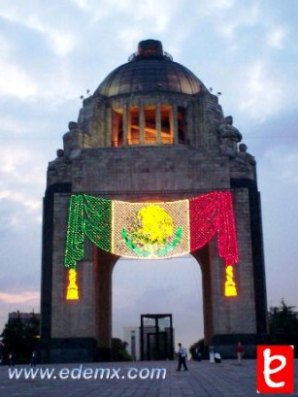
(151, 229)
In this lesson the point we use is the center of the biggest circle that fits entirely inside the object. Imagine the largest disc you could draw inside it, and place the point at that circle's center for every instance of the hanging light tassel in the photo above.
(72, 288)
(230, 284)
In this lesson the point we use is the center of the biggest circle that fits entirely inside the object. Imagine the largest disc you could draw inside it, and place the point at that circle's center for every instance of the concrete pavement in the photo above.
(227, 379)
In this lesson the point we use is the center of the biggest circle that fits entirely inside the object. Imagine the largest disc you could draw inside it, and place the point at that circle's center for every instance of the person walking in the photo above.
(1, 352)
(10, 360)
(33, 359)
(198, 356)
(182, 355)
(239, 351)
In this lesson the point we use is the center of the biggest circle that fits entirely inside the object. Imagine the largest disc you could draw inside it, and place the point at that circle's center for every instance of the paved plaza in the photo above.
(227, 379)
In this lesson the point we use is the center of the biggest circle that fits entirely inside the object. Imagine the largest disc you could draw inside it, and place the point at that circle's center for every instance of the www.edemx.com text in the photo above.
(81, 372)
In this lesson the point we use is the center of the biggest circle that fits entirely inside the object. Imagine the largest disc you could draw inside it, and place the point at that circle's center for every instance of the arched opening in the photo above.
(158, 286)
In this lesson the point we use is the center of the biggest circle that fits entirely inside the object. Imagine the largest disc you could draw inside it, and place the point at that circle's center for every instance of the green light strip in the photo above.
(88, 216)
(75, 233)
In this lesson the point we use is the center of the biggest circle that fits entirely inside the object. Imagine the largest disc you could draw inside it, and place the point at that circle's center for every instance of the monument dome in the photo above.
(150, 69)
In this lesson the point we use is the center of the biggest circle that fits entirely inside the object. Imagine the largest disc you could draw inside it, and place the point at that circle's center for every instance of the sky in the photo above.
(51, 53)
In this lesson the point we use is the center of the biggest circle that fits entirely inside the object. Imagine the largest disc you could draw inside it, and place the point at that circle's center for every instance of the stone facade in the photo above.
(209, 158)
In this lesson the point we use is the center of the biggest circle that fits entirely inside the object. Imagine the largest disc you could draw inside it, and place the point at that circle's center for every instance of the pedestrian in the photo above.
(10, 360)
(1, 352)
(198, 353)
(211, 354)
(182, 355)
(239, 351)
(217, 357)
(33, 359)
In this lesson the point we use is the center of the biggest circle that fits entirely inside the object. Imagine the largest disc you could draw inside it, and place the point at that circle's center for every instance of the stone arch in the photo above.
(104, 264)
(207, 159)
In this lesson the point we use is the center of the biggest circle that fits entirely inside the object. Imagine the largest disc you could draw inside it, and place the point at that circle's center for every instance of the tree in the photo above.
(119, 352)
(198, 346)
(283, 324)
(20, 336)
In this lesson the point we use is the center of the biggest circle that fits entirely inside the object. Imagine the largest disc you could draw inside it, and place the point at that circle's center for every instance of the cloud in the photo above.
(13, 125)
(81, 4)
(52, 82)
(17, 164)
(13, 161)
(222, 4)
(276, 37)
(15, 197)
(61, 39)
(24, 301)
(21, 183)
(15, 81)
(282, 162)
(145, 11)
(262, 92)
(22, 297)
(231, 21)
(289, 168)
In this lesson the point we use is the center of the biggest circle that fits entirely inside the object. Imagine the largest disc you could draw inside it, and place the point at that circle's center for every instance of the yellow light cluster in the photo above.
(155, 224)
(150, 230)
(230, 284)
(72, 288)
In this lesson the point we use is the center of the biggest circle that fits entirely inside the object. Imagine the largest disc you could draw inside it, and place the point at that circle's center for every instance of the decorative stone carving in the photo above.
(58, 168)
(243, 156)
(73, 141)
(59, 159)
(72, 125)
(243, 165)
(60, 153)
(230, 136)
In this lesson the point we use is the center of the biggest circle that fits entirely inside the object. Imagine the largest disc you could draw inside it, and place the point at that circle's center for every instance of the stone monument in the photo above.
(151, 132)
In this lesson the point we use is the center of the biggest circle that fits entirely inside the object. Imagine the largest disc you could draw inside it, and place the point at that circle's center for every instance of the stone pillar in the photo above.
(174, 123)
(125, 121)
(158, 124)
(203, 258)
(103, 267)
(142, 124)
(108, 138)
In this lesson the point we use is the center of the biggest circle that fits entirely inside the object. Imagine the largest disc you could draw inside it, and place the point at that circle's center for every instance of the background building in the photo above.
(131, 335)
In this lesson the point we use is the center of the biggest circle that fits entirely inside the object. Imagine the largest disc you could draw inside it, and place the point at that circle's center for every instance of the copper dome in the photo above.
(150, 70)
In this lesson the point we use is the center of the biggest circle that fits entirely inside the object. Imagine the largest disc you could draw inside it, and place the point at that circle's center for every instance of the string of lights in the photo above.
(152, 230)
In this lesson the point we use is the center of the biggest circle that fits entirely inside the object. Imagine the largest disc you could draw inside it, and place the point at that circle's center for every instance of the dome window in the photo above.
(148, 125)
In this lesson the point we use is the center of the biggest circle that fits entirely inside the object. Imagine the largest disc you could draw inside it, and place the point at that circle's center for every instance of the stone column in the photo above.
(203, 258)
(104, 263)
(174, 123)
(108, 139)
(125, 121)
(158, 124)
(142, 124)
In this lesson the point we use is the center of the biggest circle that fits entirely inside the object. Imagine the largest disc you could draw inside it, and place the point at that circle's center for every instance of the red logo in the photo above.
(275, 369)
